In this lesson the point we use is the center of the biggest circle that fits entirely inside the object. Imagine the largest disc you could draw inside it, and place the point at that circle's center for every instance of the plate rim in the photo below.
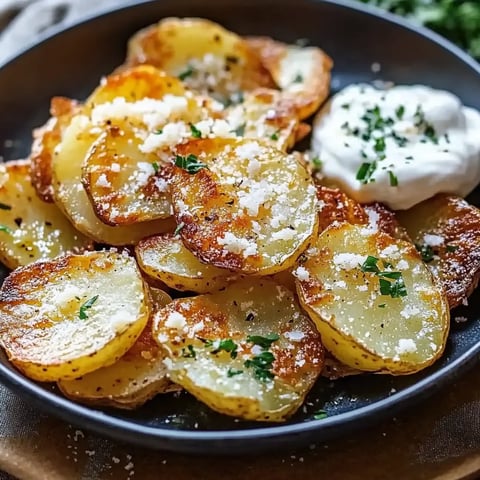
(105, 423)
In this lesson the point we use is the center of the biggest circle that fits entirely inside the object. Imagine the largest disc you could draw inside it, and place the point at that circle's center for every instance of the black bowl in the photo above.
(71, 62)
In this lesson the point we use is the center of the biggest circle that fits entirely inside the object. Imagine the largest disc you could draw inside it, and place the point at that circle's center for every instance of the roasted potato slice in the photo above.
(263, 114)
(71, 197)
(248, 208)
(333, 369)
(248, 351)
(446, 230)
(134, 84)
(385, 220)
(374, 301)
(121, 181)
(63, 318)
(336, 206)
(31, 229)
(301, 73)
(165, 258)
(131, 381)
(45, 139)
(205, 56)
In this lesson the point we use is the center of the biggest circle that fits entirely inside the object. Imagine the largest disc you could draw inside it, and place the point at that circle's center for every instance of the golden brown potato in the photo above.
(446, 230)
(134, 84)
(71, 197)
(248, 351)
(64, 318)
(165, 258)
(131, 381)
(121, 181)
(301, 73)
(31, 229)
(205, 56)
(373, 300)
(45, 139)
(245, 206)
(264, 115)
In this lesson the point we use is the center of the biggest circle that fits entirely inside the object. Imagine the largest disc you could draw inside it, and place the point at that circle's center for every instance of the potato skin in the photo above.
(456, 261)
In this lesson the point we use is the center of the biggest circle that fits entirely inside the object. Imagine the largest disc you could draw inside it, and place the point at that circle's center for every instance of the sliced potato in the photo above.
(247, 351)
(165, 258)
(333, 369)
(134, 84)
(251, 210)
(30, 228)
(263, 114)
(121, 180)
(71, 197)
(45, 139)
(131, 381)
(336, 206)
(381, 217)
(301, 73)
(66, 317)
(387, 316)
(208, 58)
(446, 229)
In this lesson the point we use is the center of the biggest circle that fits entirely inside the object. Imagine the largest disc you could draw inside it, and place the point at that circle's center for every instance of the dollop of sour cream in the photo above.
(398, 146)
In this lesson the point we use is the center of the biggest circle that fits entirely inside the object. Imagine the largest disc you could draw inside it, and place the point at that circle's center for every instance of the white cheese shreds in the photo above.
(301, 273)
(433, 240)
(348, 261)
(406, 345)
(102, 181)
(237, 245)
(176, 320)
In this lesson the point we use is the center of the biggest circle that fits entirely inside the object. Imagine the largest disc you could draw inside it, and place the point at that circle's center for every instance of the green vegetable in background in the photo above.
(458, 20)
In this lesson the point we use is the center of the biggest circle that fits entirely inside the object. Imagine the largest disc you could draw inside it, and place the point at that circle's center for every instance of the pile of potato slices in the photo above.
(163, 235)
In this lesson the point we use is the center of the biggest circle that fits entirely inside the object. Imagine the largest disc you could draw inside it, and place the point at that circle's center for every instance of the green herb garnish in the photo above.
(82, 314)
(365, 172)
(188, 72)
(191, 353)
(274, 135)
(189, 163)
(298, 78)
(320, 415)
(452, 248)
(262, 365)
(393, 179)
(426, 252)
(156, 167)
(370, 265)
(240, 130)
(178, 229)
(231, 372)
(226, 345)
(196, 133)
(400, 111)
(4, 228)
(264, 342)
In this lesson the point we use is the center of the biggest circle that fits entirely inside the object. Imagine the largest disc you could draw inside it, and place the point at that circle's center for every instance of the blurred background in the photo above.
(22, 21)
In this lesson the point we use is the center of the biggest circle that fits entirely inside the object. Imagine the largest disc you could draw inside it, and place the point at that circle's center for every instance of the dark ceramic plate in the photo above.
(71, 62)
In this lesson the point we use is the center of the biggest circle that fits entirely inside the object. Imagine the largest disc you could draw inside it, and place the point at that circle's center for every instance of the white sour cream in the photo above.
(398, 146)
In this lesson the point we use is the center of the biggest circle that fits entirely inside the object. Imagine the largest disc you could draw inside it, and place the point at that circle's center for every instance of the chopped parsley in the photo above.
(231, 372)
(4, 206)
(365, 172)
(189, 163)
(393, 179)
(189, 352)
(156, 167)
(320, 415)
(424, 126)
(158, 132)
(274, 135)
(426, 252)
(396, 288)
(452, 248)
(188, 72)
(240, 130)
(4, 228)
(262, 365)
(264, 342)
(298, 78)
(82, 314)
(226, 345)
(178, 229)
(317, 163)
(345, 106)
(400, 111)
(196, 133)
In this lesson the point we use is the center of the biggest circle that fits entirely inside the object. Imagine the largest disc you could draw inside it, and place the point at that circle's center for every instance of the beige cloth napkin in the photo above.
(437, 439)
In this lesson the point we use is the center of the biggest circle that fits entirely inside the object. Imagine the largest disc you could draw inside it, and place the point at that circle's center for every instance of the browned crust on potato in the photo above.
(45, 139)
(456, 263)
